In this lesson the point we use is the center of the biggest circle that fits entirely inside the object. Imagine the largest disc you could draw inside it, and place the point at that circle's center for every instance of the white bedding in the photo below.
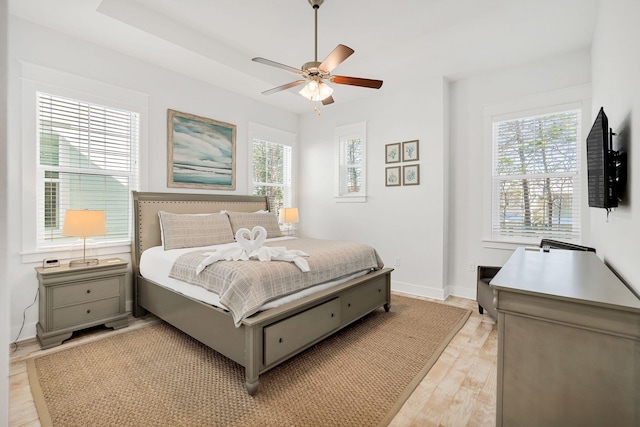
(155, 264)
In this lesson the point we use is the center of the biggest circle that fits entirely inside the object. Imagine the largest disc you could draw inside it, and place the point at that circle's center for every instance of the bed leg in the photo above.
(252, 386)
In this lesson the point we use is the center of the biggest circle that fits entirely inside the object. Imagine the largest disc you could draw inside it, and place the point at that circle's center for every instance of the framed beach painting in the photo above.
(410, 151)
(201, 152)
(392, 152)
(411, 175)
(392, 176)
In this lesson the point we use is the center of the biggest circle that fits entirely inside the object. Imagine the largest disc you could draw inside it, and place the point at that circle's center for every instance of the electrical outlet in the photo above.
(397, 263)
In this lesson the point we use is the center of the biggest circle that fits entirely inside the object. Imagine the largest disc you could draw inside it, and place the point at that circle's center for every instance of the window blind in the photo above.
(272, 172)
(87, 160)
(536, 180)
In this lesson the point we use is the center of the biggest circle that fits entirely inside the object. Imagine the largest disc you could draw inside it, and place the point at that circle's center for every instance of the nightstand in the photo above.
(76, 298)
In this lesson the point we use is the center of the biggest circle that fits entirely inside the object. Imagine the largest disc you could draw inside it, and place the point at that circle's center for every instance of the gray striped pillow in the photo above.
(251, 219)
(194, 230)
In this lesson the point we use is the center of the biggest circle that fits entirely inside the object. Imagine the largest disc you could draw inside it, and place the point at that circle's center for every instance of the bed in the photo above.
(264, 339)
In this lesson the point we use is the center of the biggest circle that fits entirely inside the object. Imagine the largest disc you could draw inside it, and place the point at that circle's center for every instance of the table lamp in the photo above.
(288, 216)
(84, 223)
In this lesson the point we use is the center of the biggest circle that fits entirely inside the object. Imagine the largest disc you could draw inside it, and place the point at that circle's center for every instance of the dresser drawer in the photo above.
(86, 291)
(287, 336)
(83, 313)
(363, 299)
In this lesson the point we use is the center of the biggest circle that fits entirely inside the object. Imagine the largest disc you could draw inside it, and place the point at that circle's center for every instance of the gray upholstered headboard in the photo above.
(147, 205)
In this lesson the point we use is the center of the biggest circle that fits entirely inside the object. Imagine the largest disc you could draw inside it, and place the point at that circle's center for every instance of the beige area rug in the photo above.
(158, 376)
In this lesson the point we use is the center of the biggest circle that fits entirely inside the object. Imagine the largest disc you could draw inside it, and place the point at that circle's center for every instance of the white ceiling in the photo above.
(394, 40)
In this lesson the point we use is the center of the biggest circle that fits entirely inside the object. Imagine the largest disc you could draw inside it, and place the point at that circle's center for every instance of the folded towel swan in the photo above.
(250, 242)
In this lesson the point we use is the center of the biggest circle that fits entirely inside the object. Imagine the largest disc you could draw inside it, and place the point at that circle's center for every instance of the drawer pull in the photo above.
(88, 291)
(280, 340)
(332, 315)
(349, 305)
(379, 290)
(88, 311)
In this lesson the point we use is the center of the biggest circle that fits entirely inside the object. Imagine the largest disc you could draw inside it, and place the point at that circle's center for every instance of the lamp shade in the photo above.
(84, 223)
(316, 91)
(288, 215)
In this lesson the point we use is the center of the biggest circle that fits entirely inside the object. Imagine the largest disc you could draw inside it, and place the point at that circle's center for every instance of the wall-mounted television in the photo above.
(603, 165)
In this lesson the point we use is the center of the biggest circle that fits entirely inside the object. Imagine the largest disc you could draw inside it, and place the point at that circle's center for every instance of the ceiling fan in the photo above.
(314, 74)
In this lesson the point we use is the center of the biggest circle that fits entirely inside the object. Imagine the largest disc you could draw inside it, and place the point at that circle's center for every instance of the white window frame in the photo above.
(37, 79)
(342, 135)
(276, 136)
(574, 98)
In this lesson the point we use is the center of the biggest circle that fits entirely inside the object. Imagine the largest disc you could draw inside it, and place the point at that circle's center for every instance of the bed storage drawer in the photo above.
(363, 299)
(291, 334)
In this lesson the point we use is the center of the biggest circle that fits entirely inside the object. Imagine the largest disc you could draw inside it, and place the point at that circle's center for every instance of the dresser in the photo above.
(568, 342)
(76, 298)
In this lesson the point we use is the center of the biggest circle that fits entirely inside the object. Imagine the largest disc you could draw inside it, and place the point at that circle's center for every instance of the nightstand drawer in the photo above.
(90, 290)
(84, 313)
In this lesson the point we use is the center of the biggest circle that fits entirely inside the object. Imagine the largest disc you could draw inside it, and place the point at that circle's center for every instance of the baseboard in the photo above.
(422, 291)
(462, 292)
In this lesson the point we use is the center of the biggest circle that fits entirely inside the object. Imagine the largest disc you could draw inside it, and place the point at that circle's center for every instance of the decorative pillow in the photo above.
(194, 230)
(251, 219)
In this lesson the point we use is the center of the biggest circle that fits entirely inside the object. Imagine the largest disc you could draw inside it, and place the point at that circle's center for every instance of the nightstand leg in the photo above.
(48, 340)
(118, 324)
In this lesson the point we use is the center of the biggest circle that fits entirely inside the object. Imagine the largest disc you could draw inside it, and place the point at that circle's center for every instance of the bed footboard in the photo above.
(278, 334)
(266, 339)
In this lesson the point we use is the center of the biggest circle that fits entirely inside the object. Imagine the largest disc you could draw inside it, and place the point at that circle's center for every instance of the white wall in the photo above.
(468, 200)
(29, 43)
(4, 289)
(616, 87)
(401, 222)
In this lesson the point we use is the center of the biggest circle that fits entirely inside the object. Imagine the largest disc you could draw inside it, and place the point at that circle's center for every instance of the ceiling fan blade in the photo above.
(357, 81)
(277, 65)
(283, 87)
(335, 58)
(328, 100)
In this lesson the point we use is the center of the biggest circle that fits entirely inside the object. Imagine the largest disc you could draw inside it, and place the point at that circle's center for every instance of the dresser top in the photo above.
(570, 275)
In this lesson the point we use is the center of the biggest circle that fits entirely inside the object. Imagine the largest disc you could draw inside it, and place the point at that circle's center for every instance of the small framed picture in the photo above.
(411, 175)
(392, 152)
(392, 176)
(410, 151)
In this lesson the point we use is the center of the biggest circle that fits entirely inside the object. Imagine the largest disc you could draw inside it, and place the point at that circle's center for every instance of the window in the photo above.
(272, 166)
(272, 173)
(535, 177)
(351, 146)
(87, 160)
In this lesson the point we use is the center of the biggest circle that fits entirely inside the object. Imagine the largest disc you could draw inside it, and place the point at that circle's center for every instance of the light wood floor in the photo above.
(459, 390)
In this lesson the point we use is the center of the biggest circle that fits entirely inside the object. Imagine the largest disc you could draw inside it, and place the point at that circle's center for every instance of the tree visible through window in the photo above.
(351, 165)
(535, 177)
(272, 173)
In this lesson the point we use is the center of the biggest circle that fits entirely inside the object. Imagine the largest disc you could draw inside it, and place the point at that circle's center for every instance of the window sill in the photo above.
(64, 253)
(350, 199)
(507, 246)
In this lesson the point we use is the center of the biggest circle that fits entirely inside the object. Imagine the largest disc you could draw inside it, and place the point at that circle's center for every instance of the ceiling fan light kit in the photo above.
(315, 73)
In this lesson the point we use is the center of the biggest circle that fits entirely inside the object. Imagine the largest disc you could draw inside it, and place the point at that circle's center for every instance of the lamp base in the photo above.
(87, 262)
